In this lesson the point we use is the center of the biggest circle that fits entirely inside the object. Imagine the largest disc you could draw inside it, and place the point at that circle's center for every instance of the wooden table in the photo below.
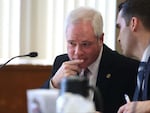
(14, 82)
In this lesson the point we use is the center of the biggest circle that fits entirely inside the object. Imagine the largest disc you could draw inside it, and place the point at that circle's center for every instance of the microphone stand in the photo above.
(31, 54)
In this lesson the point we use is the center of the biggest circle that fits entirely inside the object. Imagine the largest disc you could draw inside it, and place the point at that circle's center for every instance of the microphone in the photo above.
(31, 54)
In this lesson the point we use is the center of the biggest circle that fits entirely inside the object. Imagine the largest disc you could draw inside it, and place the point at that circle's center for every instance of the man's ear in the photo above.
(101, 39)
(134, 23)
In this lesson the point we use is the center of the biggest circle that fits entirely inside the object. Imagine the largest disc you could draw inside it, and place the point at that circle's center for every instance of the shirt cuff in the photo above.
(51, 85)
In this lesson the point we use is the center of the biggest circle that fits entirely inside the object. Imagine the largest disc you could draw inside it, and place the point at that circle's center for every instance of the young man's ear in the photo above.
(134, 23)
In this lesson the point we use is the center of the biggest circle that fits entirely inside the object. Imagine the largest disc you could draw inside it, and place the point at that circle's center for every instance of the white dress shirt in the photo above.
(93, 72)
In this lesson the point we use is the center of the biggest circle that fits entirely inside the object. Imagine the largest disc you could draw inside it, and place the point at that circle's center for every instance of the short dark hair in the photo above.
(136, 8)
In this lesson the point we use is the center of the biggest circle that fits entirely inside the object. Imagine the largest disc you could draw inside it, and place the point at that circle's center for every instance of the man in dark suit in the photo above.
(112, 73)
(134, 23)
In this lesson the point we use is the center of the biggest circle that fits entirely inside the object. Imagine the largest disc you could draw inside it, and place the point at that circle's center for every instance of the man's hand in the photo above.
(135, 107)
(68, 68)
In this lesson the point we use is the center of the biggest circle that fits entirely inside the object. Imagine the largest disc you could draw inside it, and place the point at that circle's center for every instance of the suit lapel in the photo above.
(104, 72)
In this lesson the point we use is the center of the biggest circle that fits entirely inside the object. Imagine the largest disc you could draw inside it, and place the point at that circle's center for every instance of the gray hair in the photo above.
(86, 14)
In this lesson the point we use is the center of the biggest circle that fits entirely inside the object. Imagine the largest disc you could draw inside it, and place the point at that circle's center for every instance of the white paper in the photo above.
(42, 100)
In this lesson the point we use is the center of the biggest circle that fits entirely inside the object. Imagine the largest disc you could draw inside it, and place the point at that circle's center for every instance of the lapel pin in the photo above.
(108, 75)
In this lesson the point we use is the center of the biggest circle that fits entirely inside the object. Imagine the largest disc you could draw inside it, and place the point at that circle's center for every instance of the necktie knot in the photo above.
(85, 72)
(141, 71)
(142, 66)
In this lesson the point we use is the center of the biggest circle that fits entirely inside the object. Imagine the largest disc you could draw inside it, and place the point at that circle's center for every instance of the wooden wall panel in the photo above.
(14, 82)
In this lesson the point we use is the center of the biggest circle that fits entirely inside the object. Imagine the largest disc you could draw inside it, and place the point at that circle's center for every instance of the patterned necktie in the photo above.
(147, 73)
(140, 78)
(86, 71)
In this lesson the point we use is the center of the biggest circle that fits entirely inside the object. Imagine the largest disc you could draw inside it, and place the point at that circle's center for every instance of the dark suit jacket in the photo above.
(116, 77)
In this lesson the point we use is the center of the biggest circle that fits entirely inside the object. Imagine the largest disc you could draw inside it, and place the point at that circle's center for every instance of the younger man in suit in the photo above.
(134, 37)
(112, 73)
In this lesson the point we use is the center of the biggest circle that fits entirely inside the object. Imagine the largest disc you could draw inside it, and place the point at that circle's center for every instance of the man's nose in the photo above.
(78, 50)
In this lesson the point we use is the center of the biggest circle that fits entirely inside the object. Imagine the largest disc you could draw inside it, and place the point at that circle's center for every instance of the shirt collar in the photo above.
(146, 54)
(95, 65)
